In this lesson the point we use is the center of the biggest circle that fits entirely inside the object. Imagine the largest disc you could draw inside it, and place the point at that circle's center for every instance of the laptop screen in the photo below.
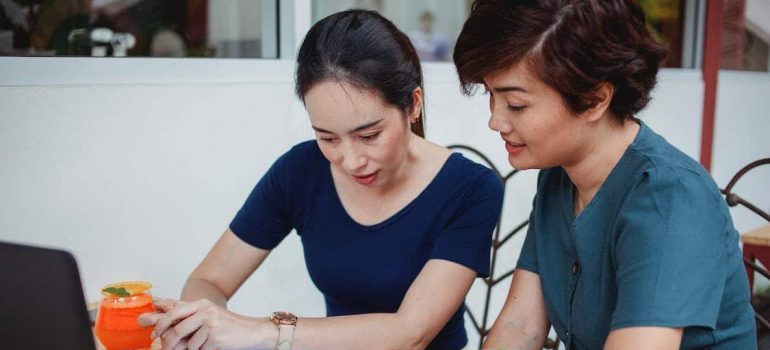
(41, 300)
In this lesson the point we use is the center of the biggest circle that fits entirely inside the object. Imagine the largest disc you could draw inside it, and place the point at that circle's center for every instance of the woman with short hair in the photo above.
(630, 245)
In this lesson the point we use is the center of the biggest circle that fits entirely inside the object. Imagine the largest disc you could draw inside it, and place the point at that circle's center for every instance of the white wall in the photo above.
(741, 136)
(138, 173)
(138, 180)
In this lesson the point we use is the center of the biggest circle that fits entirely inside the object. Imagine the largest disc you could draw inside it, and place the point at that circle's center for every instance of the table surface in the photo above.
(759, 236)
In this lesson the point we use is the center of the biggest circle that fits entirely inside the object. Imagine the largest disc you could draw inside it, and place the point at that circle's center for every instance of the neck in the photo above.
(599, 156)
(406, 171)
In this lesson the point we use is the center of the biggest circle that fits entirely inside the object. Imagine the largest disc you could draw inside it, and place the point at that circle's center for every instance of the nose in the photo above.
(353, 160)
(497, 120)
(499, 123)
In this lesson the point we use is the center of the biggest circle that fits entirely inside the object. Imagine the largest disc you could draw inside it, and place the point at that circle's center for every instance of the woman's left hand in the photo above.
(201, 324)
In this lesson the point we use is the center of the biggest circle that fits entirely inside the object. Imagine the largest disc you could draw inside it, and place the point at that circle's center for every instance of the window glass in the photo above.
(665, 20)
(143, 28)
(432, 25)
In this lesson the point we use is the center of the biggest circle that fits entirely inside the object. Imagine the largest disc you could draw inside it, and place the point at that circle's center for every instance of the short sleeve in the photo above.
(528, 256)
(467, 238)
(671, 247)
(264, 221)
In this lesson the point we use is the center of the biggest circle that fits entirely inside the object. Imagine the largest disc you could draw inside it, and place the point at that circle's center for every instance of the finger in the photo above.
(181, 331)
(198, 339)
(180, 312)
(164, 305)
(209, 344)
(148, 319)
(181, 346)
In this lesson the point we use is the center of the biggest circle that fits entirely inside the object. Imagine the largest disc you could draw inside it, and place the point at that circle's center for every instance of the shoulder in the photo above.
(304, 156)
(463, 172)
(299, 170)
(306, 150)
(467, 192)
(670, 187)
(464, 185)
(664, 169)
(676, 198)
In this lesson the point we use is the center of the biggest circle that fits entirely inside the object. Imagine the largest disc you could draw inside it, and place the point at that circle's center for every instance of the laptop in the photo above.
(42, 306)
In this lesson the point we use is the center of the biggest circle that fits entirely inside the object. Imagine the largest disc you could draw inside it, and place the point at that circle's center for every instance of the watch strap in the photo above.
(285, 336)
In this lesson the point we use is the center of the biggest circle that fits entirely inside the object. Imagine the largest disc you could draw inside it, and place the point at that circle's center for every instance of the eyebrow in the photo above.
(358, 128)
(500, 89)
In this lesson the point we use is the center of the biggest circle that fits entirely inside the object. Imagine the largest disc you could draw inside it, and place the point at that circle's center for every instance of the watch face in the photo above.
(284, 318)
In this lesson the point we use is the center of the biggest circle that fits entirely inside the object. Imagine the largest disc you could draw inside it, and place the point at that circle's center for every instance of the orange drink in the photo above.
(116, 321)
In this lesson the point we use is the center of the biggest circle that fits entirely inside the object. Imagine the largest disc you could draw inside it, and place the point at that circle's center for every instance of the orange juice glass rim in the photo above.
(133, 287)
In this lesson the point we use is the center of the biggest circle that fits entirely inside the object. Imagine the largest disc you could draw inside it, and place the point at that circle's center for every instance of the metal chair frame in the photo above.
(492, 281)
(734, 200)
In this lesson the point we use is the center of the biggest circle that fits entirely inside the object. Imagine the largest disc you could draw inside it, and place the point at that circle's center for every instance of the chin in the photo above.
(518, 163)
(522, 164)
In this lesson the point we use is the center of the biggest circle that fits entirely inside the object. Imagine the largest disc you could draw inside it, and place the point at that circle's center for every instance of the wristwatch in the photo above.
(286, 321)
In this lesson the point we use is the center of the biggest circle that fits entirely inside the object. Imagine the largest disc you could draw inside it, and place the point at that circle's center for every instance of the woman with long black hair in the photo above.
(394, 228)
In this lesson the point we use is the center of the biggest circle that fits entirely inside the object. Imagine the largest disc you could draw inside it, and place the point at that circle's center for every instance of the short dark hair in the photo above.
(363, 49)
(573, 46)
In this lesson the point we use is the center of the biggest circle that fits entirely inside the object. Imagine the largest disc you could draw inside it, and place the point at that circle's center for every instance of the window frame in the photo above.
(693, 33)
(293, 21)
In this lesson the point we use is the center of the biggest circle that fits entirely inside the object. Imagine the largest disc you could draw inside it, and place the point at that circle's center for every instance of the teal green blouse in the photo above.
(655, 247)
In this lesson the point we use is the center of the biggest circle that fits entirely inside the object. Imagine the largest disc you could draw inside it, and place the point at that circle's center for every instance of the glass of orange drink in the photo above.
(116, 321)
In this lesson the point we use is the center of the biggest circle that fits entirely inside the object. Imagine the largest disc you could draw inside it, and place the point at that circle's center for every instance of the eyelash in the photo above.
(514, 109)
(370, 137)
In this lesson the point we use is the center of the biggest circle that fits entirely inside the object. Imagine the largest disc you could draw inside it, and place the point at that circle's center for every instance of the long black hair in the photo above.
(365, 50)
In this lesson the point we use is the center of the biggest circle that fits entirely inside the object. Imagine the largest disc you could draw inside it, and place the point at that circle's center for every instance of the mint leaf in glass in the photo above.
(120, 292)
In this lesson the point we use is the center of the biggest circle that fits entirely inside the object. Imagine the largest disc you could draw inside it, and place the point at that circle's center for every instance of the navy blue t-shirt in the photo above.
(368, 269)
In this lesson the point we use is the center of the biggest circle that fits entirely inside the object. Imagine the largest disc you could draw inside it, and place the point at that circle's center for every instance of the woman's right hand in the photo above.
(202, 324)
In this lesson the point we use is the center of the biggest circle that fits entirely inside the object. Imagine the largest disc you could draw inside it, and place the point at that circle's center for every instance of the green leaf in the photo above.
(120, 292)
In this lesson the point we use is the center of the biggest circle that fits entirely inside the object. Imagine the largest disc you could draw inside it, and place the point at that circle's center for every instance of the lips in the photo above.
(514, 148)
(365, 179)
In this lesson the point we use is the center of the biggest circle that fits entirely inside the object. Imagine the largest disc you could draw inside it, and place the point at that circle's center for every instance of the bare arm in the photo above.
(644, 338)
(434, 296)
(522, 324)
(229, 263)
(432, 299)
